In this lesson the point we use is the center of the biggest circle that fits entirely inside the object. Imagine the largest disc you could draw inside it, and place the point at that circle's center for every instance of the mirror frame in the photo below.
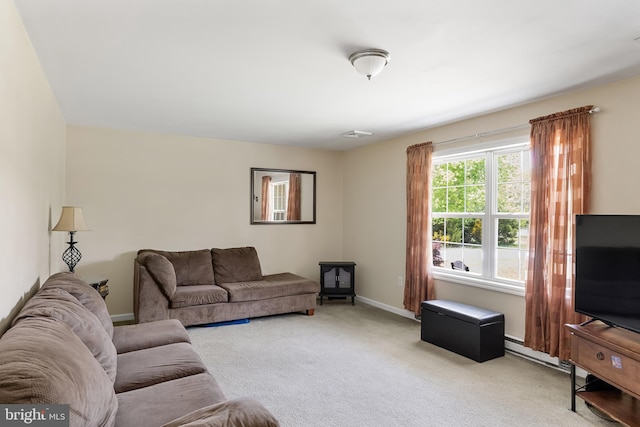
(253, 197)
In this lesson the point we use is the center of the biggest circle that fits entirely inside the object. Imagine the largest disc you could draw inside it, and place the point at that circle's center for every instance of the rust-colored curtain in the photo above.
(419, 257)
(560, 189)
(293, 202)
(264, 214)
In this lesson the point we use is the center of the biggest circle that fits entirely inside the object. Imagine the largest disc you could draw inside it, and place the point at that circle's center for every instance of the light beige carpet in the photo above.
(361, 366)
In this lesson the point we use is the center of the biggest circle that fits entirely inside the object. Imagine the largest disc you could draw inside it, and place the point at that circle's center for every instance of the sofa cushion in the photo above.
(158, 404)
(244, 411)
(146, 335)
(162, 271)
(60, 305)
(42, 361)
(187, 296)
(236, 265)
(191, 267)
(84, 293)
(143, 368)
(271, 286)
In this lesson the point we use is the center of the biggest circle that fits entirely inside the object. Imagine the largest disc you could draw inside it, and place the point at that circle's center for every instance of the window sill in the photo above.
(478, 282)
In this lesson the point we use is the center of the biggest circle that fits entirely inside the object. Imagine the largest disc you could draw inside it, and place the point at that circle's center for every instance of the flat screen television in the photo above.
(607, 285)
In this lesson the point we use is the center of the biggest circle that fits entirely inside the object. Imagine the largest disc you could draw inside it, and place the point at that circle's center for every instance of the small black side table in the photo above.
(99, 284)
(338, 280)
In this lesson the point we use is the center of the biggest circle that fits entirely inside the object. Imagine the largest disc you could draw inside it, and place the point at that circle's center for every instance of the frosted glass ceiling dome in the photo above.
(369, 62)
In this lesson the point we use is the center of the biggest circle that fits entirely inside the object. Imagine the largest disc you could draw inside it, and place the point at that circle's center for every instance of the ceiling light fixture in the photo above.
(369, 62)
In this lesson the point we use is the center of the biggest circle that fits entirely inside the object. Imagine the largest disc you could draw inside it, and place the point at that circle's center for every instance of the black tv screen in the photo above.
(607, 285)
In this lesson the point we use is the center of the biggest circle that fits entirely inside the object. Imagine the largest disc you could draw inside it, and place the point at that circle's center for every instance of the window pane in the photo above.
(455, 175)
(523, 236)
(510, 198)
(475, 171)
(508, 233)
(461, 256)
(472, 258)
(513, 176)
(440, 175)
(473, 231)
(510, 167)
(452, 253)
(511, 264)
(439, 200)
(455, 199)
(526, 165)
(453, 230)
(475, 198)
(511, 254)
(438, 258)
(437, 227)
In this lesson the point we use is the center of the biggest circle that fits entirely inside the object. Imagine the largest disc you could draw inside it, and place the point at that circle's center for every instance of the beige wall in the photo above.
(374, 190)
(32, 141)
(141, 190)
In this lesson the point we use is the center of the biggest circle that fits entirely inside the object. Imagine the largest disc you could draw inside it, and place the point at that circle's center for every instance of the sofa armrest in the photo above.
(161, 270)
(243, 411)
(149, 302)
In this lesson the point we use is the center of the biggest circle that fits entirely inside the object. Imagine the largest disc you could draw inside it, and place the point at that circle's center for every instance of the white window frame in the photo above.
(272, 192)
(489, 217)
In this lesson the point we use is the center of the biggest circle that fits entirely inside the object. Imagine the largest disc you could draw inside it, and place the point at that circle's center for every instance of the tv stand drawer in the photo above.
(612, 355)
(604, 363)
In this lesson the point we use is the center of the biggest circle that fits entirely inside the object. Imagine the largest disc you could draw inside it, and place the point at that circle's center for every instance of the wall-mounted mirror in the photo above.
(283, 196)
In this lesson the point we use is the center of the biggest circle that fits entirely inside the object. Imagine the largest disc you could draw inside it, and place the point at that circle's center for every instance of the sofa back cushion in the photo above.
(42, 361)
(58, 304)
(162, 271)
(191, 267)
(236, 265)
(84, 293)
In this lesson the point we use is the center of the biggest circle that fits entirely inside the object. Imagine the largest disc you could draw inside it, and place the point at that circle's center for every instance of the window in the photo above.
(480, 214)
(279, 191)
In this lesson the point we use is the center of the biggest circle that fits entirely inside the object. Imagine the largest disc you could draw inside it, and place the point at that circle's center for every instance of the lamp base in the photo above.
(71, 256)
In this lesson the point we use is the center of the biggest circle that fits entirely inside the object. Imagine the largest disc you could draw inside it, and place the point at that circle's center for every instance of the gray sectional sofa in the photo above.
(63, 348)
(209, 286)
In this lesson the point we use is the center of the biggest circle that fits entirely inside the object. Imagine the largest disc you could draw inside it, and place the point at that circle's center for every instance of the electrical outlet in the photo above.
(400, 281)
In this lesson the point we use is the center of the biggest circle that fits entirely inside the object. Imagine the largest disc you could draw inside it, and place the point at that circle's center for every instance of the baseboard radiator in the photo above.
(516, 346)
(512, 345)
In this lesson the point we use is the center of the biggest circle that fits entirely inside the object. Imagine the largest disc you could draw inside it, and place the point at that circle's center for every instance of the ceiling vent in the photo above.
(356, 134)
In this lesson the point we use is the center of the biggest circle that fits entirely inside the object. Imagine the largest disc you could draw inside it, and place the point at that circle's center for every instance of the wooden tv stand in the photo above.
(613, 355)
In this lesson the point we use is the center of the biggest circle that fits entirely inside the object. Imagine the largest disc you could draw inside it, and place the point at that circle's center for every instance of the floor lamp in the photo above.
(71, 220)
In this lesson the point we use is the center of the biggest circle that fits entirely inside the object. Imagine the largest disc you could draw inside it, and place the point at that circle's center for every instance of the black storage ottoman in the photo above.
(464, 329)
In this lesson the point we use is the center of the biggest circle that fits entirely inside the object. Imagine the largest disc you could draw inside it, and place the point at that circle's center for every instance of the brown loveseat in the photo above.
(63, 349)
(208, 286)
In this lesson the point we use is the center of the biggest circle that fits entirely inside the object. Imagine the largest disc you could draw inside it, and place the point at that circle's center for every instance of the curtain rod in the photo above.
(503, 130)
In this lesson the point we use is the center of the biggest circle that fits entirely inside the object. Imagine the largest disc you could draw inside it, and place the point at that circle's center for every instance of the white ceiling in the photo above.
(277, 71)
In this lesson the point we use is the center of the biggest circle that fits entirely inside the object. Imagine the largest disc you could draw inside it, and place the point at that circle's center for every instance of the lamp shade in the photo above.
(71, 219)
(369, 62)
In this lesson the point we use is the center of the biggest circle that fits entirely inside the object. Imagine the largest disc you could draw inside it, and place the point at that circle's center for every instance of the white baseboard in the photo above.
(123, 317)
(512, 344)
(399, 311)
